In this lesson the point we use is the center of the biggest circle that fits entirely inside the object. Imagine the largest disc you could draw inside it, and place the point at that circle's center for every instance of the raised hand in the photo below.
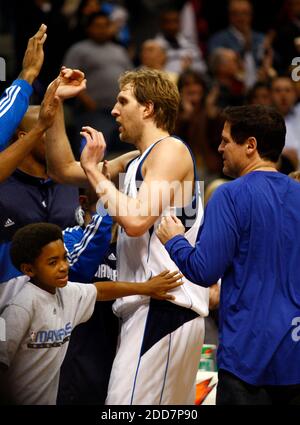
(49, 105)
(34, 55)
(94, 149)
(159, 285)
(72, 82)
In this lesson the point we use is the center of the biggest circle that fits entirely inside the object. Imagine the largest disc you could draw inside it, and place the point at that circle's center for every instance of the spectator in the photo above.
(241, 38)
(102, 61)
(287, 37)
(192, 123)
(284, 98)
(228, 85)
(117, 13)
(153, 55)
(181, 53)
(27, 15)
(259, 94)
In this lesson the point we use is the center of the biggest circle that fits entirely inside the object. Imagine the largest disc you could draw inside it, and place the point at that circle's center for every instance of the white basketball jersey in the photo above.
(140, 258)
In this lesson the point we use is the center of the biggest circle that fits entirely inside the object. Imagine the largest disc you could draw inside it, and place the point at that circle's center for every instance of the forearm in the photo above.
(107, 291)
(129, 213)
(13, 105)
(196, 264)
(28, 75)
(14, 154)
(61, 164)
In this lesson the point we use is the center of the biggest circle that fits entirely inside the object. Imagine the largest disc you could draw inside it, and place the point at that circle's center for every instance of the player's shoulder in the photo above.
(172, 147)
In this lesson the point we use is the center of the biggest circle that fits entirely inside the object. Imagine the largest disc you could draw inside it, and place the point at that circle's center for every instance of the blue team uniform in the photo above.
(26, 199)
(86, 368)
(13, 105)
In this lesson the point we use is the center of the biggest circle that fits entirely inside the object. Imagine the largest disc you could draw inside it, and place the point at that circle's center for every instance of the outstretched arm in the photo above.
(15, 100)
(61, 164)
(34, 56)
(14, 154)
(157, 287)
(216, 244)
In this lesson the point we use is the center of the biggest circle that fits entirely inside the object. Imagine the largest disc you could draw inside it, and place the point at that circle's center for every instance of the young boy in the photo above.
(40, 318)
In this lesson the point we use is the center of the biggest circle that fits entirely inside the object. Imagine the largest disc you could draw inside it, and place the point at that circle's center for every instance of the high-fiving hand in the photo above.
(94, 149)
(72, 82)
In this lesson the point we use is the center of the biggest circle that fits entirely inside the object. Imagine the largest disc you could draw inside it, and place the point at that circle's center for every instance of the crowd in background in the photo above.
(220, 54)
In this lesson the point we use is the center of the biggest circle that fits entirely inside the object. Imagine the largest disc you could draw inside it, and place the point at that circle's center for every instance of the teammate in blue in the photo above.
(250, 239)
(15, 100)
(85, 372)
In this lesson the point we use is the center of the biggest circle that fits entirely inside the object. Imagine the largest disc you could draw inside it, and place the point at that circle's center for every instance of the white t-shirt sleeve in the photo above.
(16, 324)
(83, 297)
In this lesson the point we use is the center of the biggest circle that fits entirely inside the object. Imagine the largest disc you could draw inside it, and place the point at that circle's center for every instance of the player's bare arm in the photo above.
(61, 164)
(163, 177)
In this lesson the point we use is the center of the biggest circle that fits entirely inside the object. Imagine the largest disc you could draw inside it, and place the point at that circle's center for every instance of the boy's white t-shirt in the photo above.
(38, 329)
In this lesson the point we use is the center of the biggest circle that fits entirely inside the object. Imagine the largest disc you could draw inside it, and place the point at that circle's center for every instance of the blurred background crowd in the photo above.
(219, 52)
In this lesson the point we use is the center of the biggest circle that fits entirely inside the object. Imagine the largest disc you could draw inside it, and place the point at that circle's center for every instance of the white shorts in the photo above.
(158, 356)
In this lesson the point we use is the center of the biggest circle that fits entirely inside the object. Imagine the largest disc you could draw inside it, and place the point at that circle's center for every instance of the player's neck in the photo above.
(34, 168)
(150, 137)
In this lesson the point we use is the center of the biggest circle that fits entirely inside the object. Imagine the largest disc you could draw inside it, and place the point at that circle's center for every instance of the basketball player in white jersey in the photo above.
(160, 342)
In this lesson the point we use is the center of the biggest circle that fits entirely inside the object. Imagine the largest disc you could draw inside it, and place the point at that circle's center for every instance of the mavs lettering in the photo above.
(50, 338)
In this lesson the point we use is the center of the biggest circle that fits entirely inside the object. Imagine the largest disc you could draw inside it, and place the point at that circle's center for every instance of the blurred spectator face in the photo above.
(153, 55)
(261, 96)
(295, 8)
(170, 23)
(283, 94)
(193, 93)
(99, 29)
(91, 6)
(229, 65)
(240, 14)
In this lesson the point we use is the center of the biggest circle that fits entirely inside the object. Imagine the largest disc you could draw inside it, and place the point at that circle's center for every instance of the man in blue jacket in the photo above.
(250, 238)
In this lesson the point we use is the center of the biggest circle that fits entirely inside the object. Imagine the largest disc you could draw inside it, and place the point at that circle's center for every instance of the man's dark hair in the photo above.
(191, 76)
(257, 86)
(90, 19)
(29, 241)
(262, 122)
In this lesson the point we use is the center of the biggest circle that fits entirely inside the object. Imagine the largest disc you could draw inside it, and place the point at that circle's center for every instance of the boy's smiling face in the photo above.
(50, 269)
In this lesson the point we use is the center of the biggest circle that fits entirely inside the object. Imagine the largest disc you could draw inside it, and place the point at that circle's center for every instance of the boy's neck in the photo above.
(49, 289)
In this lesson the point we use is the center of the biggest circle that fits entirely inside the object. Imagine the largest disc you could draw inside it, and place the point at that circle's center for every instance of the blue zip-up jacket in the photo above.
(250, 238)
(87, 247)
(13, 105)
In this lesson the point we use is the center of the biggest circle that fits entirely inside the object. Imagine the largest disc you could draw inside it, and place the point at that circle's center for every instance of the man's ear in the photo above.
(251, 145)
(148, 109)
(84, 203)
(20, 134)
(27, 269)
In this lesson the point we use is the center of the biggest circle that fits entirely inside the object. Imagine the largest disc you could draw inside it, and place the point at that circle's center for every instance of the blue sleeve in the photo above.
(216, 243)
(87, 248)
(13, 105)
